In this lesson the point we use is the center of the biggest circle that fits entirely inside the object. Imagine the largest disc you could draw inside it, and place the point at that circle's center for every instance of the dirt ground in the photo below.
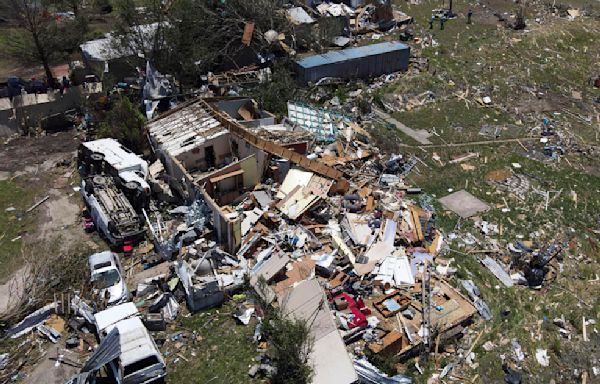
(32, 164)
(48, 371)
(47, 164)
(44, 166)
(22, 155)
(13, 287)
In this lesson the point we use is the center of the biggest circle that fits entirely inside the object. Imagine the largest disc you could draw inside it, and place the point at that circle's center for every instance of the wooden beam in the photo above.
(273, 148)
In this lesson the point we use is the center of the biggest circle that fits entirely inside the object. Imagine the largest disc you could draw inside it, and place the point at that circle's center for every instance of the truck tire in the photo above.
(132, 185)
(97, 156)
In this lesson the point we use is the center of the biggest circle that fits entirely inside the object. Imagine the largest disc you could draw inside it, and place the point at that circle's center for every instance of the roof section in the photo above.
(107, 48)
(330, 360)
(185, 128)
(108, 317)
(136, 343)
(350, 54)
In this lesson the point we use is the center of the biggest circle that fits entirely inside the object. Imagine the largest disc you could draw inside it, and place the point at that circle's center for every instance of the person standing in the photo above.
(442, 21)
(431, 21)
(469, 15)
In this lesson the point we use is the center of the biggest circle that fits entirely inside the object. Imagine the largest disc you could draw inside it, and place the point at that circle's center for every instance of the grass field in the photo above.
(543, 71)
(217, 349)
(14, 200)
(552, 61)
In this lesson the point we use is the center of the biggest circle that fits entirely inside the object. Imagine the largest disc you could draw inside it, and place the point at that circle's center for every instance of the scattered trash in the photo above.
(541, 355)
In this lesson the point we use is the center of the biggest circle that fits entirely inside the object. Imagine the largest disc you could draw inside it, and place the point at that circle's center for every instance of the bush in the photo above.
(290, 342)
(273, 95)
(125, 123)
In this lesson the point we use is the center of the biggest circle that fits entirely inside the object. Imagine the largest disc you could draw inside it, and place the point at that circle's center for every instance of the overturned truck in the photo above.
(110, 210)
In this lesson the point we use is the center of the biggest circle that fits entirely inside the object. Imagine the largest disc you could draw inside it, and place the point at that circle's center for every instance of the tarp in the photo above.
(156, 87)
(299, 16)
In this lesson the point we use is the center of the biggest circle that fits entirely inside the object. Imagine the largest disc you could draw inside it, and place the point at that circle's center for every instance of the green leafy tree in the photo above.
(290, 341)
(34, 17)
(273, 95)
(196, 36)
(125, 123)
(217, 39)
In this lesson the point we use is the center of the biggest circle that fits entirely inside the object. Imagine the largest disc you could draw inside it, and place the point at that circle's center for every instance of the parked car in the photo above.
(107, 277)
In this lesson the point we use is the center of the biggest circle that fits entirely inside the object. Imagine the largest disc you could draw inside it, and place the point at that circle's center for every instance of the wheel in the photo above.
(132, 185)
(97, 156)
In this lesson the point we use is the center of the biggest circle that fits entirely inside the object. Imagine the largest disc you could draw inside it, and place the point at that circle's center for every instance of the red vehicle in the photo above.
(88, 224)
(128, 247)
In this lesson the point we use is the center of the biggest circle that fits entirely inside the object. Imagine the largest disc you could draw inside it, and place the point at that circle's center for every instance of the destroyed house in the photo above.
(360, 62)
(197, 148)
(109, 55)
(206, 150)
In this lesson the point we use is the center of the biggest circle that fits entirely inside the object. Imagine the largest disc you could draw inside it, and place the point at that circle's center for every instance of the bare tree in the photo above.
(191, 37)
(35, 18)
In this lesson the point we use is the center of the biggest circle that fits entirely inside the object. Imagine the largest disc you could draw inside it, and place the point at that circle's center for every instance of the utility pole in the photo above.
(426, 305)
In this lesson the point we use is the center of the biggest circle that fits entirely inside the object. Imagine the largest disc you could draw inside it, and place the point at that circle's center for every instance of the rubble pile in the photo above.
(364, 244)
(229, 206)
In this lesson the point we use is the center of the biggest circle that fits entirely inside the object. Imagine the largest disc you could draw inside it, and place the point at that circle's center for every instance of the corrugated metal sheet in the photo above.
(366, 61)
(108, 350)
(497, 271)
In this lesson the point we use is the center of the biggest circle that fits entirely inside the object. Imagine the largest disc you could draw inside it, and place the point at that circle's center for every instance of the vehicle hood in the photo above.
(116, 292)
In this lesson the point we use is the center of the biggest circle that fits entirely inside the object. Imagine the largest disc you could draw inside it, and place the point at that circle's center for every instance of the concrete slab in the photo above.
(464, 204)
(419, 135)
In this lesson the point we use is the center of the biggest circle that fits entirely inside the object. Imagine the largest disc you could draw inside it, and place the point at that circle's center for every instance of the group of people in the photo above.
(444, 18)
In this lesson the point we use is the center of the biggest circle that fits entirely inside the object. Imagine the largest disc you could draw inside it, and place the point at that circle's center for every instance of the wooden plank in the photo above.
(370, 203)
(273, 148)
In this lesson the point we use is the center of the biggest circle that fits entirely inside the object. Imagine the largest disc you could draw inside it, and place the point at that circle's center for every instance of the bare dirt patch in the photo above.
(20, 153)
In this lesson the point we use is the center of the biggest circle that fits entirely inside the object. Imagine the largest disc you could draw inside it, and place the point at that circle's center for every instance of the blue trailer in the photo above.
(360, 62)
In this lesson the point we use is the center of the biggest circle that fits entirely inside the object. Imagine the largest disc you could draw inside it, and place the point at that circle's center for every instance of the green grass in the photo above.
(527, 307)
(453, 121)
(218, 349)
(12, 224)
(554, 58)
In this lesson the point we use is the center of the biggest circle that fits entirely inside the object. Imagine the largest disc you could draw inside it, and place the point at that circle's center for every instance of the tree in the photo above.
(45, 40)
(273, 95)
(73, 5)
(139, 35)
(292, 345)
(126, 124)
(290, 341)
(35, 18)
(196, 36)
(206, 35)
